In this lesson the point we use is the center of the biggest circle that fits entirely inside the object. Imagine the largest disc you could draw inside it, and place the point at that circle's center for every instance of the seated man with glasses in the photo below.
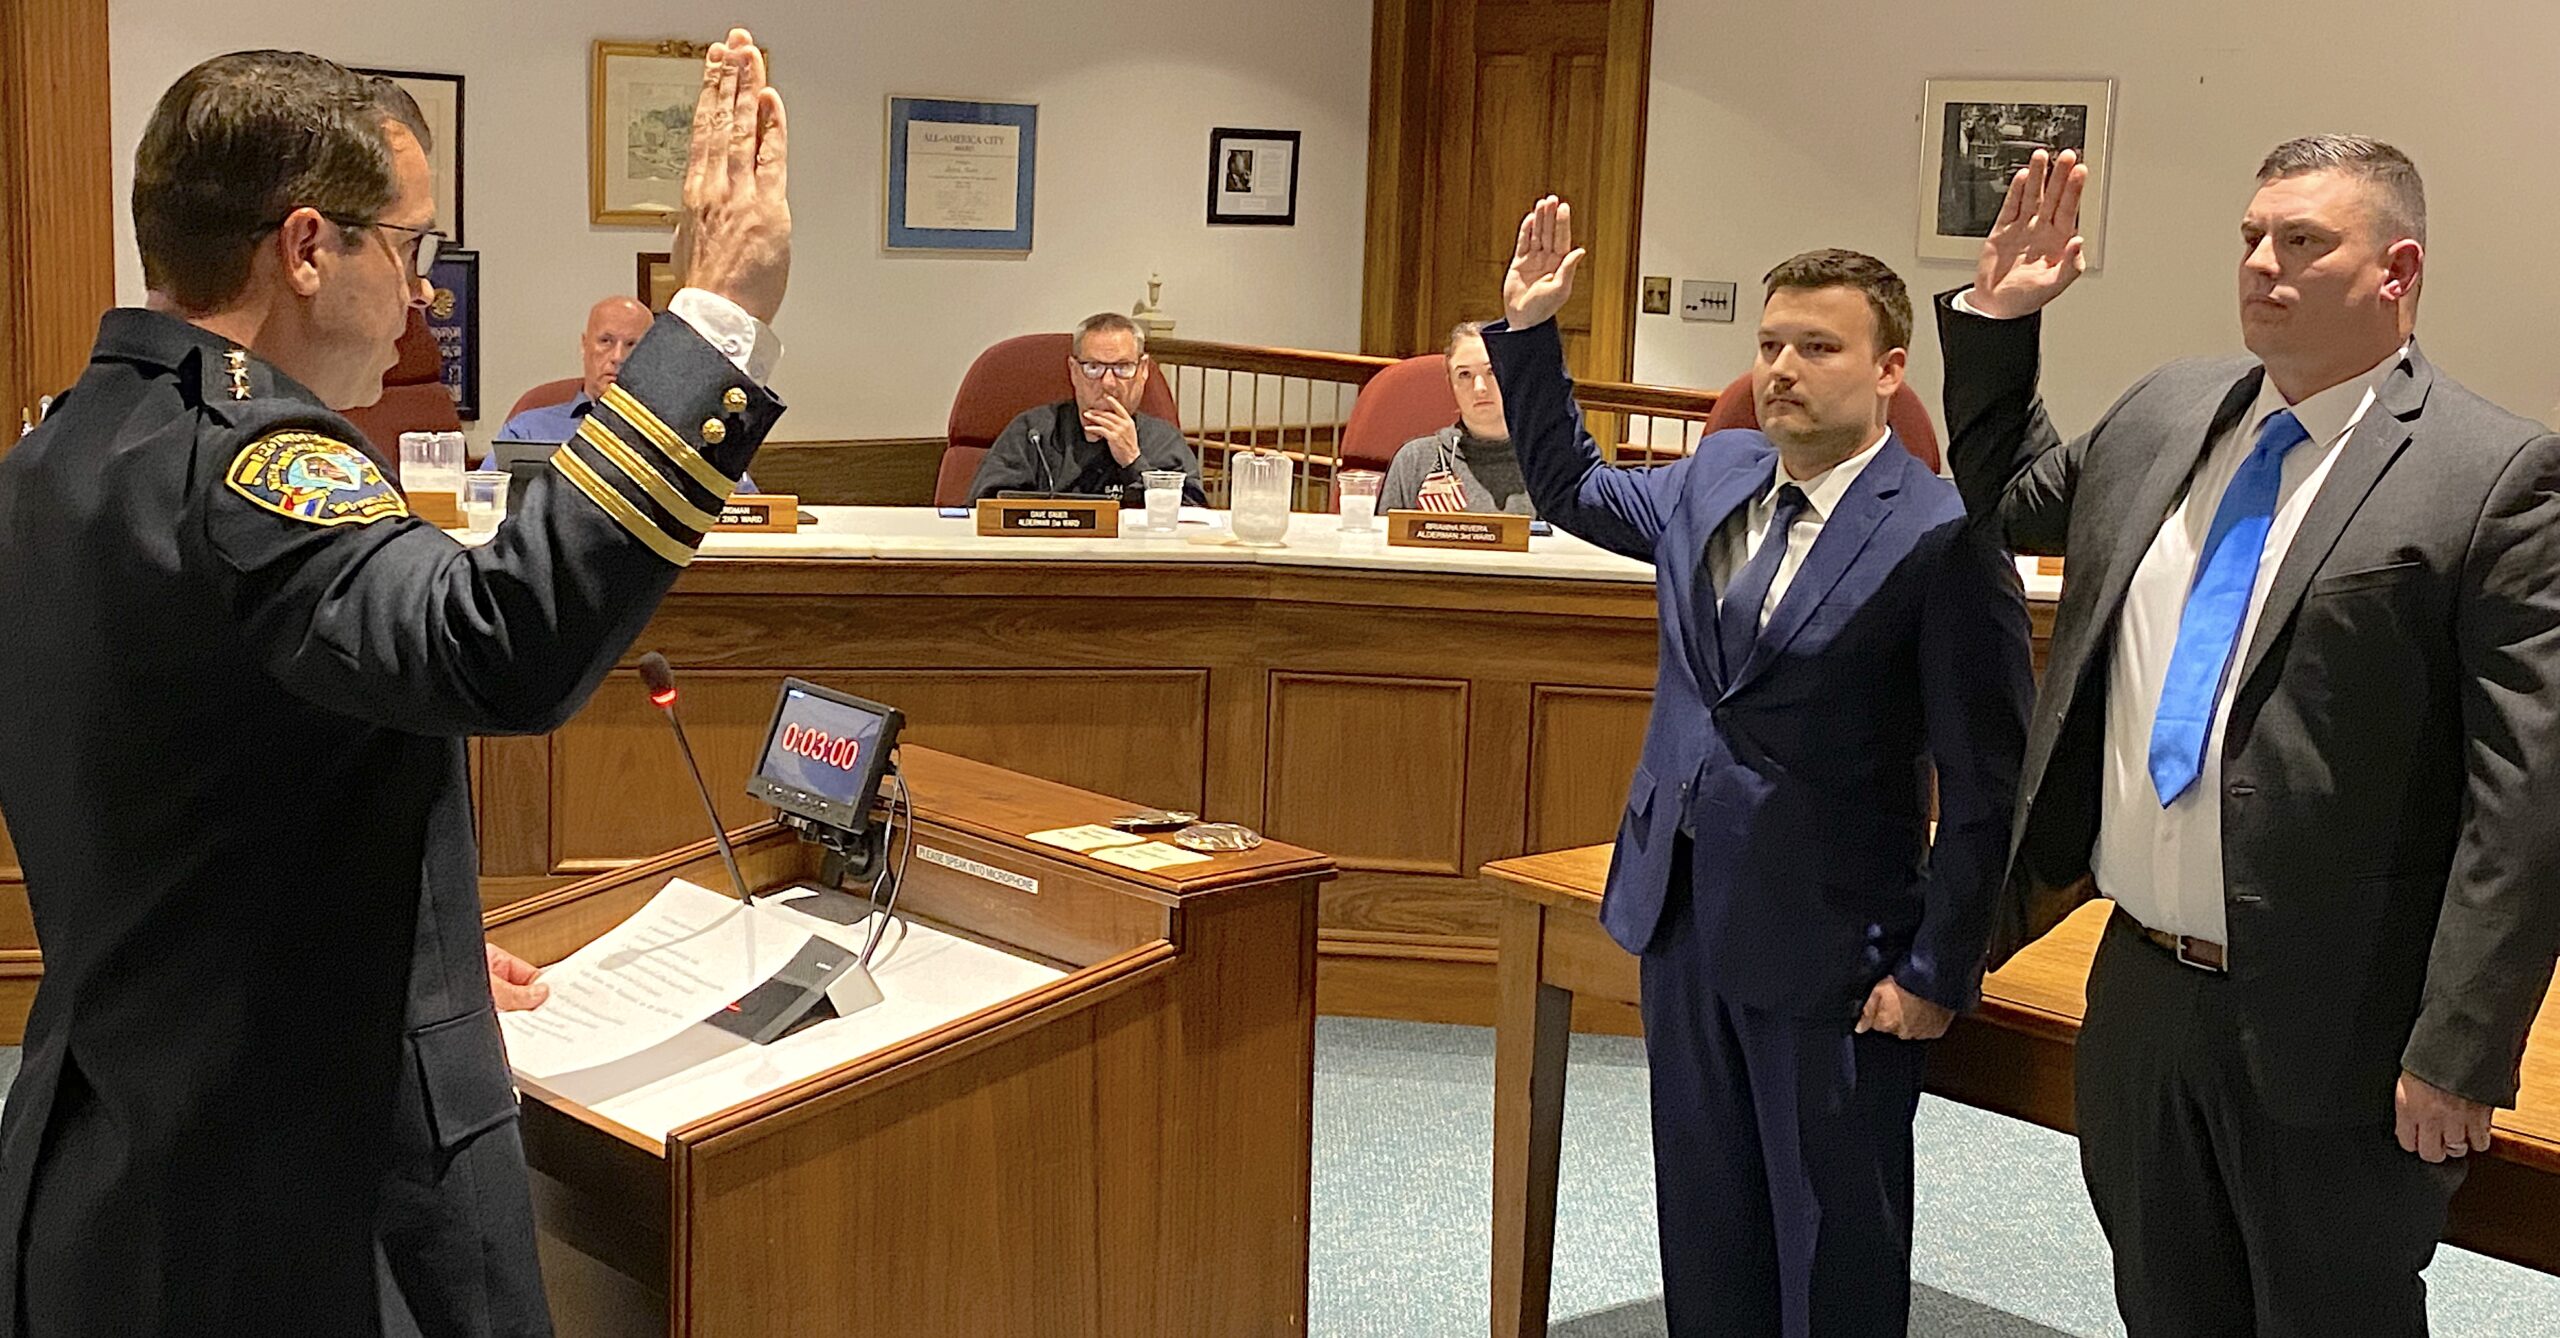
(1096, 443)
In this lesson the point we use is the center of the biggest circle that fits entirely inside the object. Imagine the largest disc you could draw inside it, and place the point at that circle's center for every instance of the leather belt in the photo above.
(2201, 953)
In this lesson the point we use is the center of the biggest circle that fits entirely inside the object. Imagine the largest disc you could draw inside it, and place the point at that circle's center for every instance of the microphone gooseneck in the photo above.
(660, 677)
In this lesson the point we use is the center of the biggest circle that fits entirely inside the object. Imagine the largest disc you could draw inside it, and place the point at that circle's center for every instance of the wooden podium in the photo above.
(1122, 1151)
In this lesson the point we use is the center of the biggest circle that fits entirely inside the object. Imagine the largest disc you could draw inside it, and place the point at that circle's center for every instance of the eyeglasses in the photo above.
(422, 261)
(422, 258)
(1095, 371)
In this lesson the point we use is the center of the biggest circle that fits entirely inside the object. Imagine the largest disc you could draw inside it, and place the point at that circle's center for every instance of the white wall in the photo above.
(1776, 128)
(1128, 93)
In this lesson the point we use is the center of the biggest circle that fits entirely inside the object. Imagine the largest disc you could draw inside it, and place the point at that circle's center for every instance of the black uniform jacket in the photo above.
(235, 677)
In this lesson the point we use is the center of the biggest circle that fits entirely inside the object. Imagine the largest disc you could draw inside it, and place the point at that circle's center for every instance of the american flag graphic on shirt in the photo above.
(1441, 491)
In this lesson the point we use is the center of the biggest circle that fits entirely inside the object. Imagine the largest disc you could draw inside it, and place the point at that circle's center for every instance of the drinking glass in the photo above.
(484, 500)
(1359, 489)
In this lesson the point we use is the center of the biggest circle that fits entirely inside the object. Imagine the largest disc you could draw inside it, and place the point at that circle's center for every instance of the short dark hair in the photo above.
(2400, 197)
(242, 140)
(1835, 268)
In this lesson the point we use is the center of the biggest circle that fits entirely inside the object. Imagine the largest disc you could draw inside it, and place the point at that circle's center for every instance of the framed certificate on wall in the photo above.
(960, 175)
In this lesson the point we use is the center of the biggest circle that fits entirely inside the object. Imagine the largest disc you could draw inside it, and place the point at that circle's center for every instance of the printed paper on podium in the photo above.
(688, 953)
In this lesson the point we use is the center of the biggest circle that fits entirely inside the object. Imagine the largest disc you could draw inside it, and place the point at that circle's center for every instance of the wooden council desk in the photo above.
(2011, 1055)
(1495, 704)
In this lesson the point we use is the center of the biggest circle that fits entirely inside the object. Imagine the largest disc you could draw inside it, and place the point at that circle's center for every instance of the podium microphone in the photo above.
(661, 680)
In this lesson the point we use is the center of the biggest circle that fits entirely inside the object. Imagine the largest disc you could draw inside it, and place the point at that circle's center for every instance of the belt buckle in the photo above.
(2187, 958)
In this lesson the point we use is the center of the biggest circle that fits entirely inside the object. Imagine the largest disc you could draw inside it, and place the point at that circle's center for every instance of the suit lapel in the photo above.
(2369, 450)
(1745, 475)
(2184, 444)
(1844, 535)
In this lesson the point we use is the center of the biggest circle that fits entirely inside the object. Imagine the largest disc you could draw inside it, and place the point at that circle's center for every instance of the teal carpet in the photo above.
(2005, 1245)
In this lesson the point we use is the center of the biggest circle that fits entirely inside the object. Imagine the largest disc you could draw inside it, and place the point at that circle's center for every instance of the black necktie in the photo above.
(1738, 620)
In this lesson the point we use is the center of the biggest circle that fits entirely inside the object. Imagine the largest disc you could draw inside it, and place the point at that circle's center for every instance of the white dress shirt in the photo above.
(1739, 537)
(749, 344)
(2164, 865)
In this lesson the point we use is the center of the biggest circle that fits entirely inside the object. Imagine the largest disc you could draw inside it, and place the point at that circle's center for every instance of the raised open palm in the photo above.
(2033, 252)
(1540, 280)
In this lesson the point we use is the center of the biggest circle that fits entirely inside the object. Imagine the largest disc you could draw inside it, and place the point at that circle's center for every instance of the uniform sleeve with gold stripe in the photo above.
(364, 610)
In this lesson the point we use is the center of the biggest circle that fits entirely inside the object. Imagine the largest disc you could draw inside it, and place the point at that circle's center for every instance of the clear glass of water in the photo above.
(1164, 500)
(484, 500)
(1359, 498)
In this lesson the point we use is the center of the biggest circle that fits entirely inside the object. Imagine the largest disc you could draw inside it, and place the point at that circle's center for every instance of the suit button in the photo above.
(714, 431)
(735, 401)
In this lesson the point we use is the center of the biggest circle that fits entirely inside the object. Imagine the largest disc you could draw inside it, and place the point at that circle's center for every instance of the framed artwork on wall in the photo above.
(640, 124)
(453, 315)
(961, 174)
(440, 97)
(1976, 133)
(1253, 177)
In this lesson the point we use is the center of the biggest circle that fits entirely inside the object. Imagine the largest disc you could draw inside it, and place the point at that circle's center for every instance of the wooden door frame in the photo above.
(1404, 99)
(57, 198)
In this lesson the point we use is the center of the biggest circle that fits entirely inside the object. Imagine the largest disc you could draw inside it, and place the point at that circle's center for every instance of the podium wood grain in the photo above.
(2012, 1055)
(1122, 1151)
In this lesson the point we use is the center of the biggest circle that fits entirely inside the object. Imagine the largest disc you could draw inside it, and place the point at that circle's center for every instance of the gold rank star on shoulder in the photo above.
(236, 361)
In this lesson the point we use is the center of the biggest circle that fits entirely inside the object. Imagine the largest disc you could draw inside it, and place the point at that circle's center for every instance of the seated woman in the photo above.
(1467, 466)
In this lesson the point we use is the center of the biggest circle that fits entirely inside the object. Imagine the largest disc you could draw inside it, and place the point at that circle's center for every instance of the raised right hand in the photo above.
(734, 236)
(1542, 266)
(2033, 252)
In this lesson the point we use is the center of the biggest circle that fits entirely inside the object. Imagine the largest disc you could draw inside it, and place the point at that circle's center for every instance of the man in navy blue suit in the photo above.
(1833, 630)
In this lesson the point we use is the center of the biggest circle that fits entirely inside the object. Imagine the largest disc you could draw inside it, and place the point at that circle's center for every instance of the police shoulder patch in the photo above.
(316, 478)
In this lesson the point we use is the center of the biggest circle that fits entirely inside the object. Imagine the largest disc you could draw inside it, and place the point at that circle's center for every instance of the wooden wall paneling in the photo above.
(894, 471)
(1376, 766)
(57, 222)
(1392, 320)
(1238, 739)
(515, 807)
(1583, 747)
(620, 791)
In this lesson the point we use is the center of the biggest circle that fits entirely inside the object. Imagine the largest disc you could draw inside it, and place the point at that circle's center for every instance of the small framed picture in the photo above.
(453, 315)
(440, 97)
(1253, 177)
(1976, 133)
(640, 128)
(960, 175)
(657, 281)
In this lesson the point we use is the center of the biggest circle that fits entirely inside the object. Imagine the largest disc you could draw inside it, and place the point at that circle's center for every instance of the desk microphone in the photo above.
(1048, 476)
(661, 679)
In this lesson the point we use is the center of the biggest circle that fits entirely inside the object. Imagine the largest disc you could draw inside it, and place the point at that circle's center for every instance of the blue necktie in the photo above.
(1738, 618)
(2217, 605)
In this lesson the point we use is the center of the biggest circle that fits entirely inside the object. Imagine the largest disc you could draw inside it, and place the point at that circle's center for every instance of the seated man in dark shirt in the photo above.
(1469, 465)
(1096, 443)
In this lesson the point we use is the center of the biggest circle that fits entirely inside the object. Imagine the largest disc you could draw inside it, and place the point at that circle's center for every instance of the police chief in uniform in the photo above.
(264, 1090)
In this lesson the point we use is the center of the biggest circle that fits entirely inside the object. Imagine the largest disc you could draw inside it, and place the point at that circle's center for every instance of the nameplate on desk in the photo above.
(1055, 517)
(440, 509)
(1492, 531)
(775, 512)
(2048, 566)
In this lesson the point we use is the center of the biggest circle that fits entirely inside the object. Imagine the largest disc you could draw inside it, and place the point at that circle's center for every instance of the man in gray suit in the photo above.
(2301, 722)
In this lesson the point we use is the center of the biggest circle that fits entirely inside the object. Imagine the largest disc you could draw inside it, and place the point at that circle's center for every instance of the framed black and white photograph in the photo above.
(1253, 177)
(440, 97)
(1976, 133)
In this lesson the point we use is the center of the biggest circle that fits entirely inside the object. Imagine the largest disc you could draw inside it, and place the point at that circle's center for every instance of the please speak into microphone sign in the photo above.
(819, 746)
